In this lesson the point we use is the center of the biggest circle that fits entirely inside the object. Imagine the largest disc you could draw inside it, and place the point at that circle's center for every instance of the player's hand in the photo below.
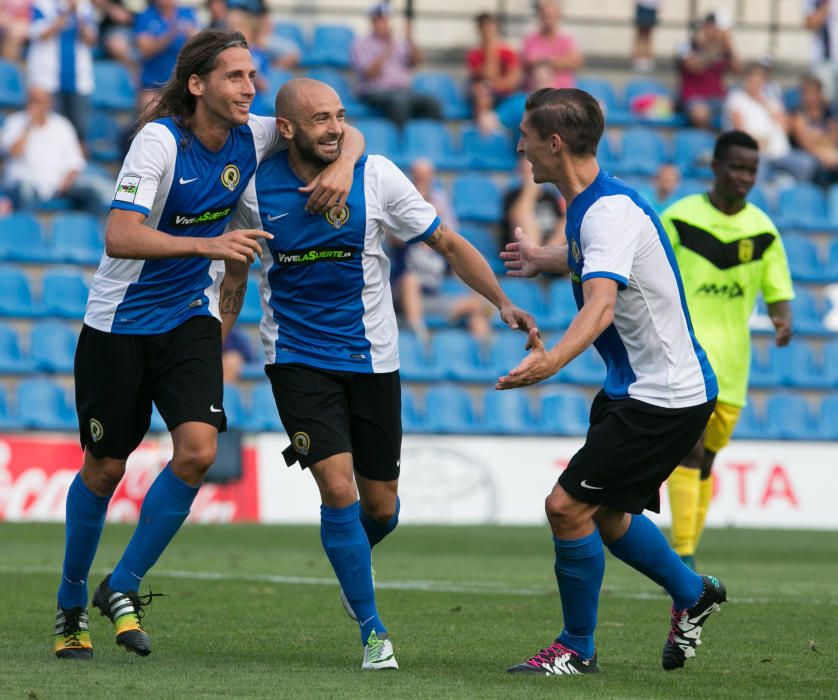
(535, 367)
(519, 256)
(517, 319)
(331, 187)
(782, 330)
(241, 245)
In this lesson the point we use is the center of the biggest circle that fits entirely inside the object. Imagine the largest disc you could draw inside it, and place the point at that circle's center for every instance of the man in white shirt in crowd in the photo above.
(44, 157)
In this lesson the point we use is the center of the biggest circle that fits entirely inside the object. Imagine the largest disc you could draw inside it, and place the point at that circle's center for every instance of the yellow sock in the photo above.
(683, 500)
(705, 493)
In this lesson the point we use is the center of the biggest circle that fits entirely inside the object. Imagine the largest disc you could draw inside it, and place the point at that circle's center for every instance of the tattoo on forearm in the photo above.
(435, 237)
(232, 299)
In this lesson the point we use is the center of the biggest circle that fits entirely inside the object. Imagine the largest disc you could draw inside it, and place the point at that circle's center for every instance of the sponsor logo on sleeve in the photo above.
(126, 190)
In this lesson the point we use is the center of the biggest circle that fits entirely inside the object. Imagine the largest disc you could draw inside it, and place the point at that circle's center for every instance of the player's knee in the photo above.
(561, 512)
(195, 459)
(380, 512)
(695, 457)
(102, 476)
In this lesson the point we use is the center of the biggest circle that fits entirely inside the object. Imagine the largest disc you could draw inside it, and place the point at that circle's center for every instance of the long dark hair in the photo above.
(198, 56)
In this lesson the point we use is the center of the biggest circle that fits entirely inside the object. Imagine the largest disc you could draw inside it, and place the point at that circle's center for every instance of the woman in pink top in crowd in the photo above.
(551, 44)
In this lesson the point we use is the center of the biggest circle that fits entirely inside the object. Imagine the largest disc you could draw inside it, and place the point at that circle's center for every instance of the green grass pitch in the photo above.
(253, 612)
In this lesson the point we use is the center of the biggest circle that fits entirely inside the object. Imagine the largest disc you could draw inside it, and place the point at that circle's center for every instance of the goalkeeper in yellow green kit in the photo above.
(728, 250)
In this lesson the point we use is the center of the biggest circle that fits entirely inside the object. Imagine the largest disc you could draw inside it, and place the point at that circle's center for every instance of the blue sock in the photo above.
(644, 548)
(164, 509)
(580, 566)
(85, 520)
(348, 550)
(377, 531)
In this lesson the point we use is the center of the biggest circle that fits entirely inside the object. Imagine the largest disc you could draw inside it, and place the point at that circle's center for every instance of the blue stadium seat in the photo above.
(804, 260)
(797, 366)
(694, 152)
(458, 355)
(508, 413)
(587, 369)
(564, 411)
(381, 136)
(477, 198)
(606, 95)
(16, 294)
(64, 294)
(829, 417)
(292, 32)
(511, 111)
(642, 151)
(830, 364)
(606, 153)
(330, 46)
(43, 405)
(355, 109)
(114, 87)
(527, 294)
(561, 305)
(22, 239)
(416, 364)
(427, 138)
(446, 90)
(252, 307)
(12, 92)
(448, 409)
(751, 425)
(53, 346)
(8, 419)
(234, 406)
(494, 151)
(803, 206)
(77, 238)
(103, 137)
(263, 415)
(276, 78)
(413, 420)
(12, 360)
(806, 313)
(763, 372)
(489, 248)
(507, 351)
(758, 198)
(789, 417)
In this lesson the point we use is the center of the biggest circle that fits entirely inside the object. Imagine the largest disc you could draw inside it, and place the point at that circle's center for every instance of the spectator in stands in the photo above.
(757, 110)
(59, 59)
(418, 271)
(703, 63)
(814, 129)
(538, 209)
(44, 157)
(248, 17)
(645, 20)
(217, 11)
(494, 72)
(15, 16)
(664, 189)
(236, 353)
(116, 34)
(383, 64)
(821, 18)
(160, 32)
(551, 44)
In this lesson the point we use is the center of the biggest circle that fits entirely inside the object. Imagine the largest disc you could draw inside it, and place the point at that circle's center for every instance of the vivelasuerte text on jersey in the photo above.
(183, 189)
(325, 277)
(650, 351)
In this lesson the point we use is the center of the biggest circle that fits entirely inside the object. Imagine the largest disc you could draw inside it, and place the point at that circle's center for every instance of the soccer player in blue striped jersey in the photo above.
(152, 330)
(330, 335)
(659, 388)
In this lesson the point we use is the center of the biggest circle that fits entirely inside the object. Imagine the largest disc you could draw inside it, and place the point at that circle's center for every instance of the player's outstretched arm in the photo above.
(780, 314)
(231, 297)
(595, 316)
(471, 267)
(331, 187)
(127, 236)
(523, 258)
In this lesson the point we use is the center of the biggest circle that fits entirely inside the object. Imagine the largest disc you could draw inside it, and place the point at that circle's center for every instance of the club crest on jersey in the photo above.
(574, 250)
(746, 250)
(230, 177)
(337, 216)
(301, 442)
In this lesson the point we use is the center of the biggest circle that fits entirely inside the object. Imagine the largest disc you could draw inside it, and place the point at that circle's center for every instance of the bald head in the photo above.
(303, 97)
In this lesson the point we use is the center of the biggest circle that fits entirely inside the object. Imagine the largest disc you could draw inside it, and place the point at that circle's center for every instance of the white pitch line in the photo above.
(427, 586)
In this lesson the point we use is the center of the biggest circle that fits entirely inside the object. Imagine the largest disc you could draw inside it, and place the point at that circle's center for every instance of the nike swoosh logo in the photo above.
(213, 409)
(186, 182)
(278, 216)
(363, 622)
(585, 485)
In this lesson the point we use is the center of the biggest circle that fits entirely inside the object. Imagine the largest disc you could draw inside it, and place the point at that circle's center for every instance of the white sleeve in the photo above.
(266, 137)
(609, 236)
(246, 214)
(152, 154)
(402, 210)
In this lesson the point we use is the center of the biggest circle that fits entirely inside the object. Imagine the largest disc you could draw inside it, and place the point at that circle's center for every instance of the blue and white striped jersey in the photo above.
(650, 351)
(326, 279)
(184, 189)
